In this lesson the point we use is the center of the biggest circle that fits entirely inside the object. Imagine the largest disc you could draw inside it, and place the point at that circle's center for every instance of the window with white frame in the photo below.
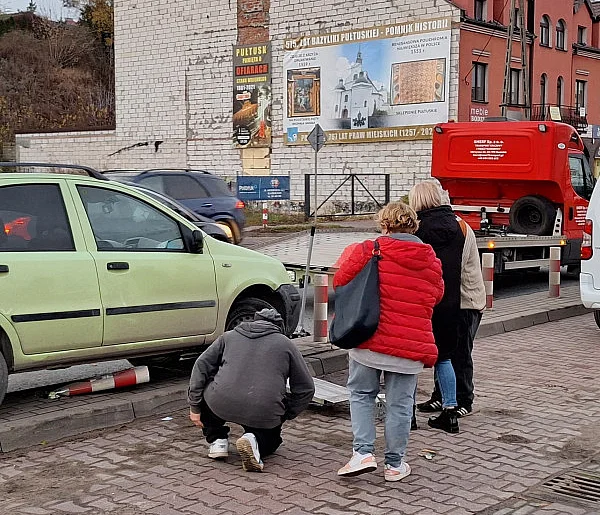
(480, 10)
(560, 91)
(543, 89)
(580, 94)
(479, 87)
(545, 31)
(515, 87)
(560, 34)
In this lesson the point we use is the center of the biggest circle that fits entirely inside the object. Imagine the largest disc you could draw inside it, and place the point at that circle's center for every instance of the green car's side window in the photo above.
(33, 219)
(120, 221)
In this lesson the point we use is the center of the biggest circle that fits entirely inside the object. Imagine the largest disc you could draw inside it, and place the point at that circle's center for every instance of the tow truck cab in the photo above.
(520, 177)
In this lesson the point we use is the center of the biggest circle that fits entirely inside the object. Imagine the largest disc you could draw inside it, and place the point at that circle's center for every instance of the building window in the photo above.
(365, 104)
(581, 35)
(560, 35)
(515, 87)
(517, 19)
(337, 108)
(480, 10)
(545, 31)
(580, 93)
(543, 89)
(560, 88)
(345, 98)
(479, 89)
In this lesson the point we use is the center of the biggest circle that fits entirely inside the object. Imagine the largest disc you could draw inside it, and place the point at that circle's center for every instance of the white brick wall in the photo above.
(174, 84)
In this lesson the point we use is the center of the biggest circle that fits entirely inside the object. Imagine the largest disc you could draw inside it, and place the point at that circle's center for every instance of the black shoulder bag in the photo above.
(356, 306)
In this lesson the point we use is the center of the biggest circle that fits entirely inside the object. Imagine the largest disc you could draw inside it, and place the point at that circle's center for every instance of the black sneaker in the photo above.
(430, 406)
(447, 421)
(464, 411)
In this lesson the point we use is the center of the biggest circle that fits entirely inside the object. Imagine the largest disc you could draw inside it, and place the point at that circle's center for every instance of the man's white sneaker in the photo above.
(219, 449)
(396, 473)
(358, 464)
(247, 446)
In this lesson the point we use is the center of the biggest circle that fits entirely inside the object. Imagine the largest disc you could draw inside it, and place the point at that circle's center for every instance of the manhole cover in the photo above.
(578, 485)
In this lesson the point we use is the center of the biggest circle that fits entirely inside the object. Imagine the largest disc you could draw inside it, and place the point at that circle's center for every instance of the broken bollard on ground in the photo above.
(129, 377)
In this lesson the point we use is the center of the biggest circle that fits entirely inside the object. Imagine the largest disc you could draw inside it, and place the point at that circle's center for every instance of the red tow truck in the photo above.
(523, 187)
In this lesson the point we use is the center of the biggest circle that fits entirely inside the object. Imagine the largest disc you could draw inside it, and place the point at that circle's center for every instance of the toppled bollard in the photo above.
(129, 377)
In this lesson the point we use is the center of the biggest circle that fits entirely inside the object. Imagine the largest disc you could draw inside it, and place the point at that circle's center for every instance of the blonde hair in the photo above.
(398, 217)
(425, 195)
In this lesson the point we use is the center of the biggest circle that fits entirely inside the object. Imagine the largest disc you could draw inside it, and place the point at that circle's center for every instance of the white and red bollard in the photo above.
(265, 214)
(487, 270)
(129, 377)
(321, 283)
(554, 275)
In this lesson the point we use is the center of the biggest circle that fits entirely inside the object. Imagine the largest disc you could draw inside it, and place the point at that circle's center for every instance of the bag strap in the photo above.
(463, 226)
(376, 252)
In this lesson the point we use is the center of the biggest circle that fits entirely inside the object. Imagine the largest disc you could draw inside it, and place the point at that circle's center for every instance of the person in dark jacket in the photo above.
(439, 227)
(241, 378)
(410, 284)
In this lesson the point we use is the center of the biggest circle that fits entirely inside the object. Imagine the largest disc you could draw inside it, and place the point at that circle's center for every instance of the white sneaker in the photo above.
(247, 446)
(396, 473)
(358, 464)
(219, 449)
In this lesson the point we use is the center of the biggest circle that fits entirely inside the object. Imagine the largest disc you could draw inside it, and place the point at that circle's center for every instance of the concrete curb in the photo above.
(162, 400)
(520, 322)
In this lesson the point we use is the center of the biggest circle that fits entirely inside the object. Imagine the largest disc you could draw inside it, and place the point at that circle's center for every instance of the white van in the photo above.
(589, 280)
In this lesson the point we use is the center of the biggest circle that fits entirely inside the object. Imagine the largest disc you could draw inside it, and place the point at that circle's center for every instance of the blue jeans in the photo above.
(444, 375)
(363, 384)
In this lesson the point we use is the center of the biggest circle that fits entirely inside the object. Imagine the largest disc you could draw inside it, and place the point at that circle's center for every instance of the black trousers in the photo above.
(462, 361)
(215, 429)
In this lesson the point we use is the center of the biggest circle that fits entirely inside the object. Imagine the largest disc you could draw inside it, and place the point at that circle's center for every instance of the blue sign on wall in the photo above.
(263, 187)
(596, 131)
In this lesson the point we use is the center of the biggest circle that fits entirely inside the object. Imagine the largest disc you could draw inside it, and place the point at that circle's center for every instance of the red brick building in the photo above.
(563, 39)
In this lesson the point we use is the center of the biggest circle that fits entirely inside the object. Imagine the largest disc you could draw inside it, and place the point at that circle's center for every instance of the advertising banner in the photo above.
(381, 83)
(264, 187)
(252, 95)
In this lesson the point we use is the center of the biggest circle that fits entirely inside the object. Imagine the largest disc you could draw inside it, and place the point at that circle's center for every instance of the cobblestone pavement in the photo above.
(537, 417)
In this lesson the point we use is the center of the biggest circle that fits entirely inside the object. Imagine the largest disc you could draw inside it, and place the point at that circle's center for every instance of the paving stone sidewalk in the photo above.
(537, 418)
(28, 418)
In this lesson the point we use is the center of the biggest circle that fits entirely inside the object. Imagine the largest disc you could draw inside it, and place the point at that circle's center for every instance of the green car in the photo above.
(91, 270)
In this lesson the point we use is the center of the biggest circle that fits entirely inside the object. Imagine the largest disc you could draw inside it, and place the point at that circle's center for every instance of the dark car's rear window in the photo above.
(216, 186)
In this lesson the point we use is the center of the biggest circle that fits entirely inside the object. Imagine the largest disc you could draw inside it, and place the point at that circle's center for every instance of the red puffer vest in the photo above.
(410, 285)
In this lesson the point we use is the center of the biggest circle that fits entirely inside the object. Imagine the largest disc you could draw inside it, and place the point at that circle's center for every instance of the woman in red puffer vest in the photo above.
(410, 285)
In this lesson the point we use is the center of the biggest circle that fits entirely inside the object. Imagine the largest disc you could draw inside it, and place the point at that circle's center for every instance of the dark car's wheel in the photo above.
(597, 317)
(235, 230)
(532, 215)
(3, 377)
(243, 311)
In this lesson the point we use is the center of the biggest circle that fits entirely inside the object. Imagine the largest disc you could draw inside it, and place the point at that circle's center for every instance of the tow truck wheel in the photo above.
(532, 215)
(3, 377)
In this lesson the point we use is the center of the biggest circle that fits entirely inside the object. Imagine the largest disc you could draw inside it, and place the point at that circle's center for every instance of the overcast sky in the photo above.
(50, 8)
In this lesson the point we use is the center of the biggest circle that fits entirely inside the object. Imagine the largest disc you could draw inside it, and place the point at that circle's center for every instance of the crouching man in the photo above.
(241, 378)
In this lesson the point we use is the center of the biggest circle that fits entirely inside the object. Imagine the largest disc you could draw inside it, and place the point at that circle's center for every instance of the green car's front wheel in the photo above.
(243, 311)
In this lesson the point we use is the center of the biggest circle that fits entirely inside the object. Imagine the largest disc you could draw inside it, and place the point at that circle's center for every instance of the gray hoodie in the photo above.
(242, 377)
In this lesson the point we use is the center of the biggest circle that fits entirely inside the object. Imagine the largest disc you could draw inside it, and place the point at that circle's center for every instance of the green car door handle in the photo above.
(117, 265)
(3, 269)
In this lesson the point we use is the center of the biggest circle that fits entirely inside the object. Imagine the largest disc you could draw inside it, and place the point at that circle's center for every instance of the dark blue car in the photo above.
(200, 191)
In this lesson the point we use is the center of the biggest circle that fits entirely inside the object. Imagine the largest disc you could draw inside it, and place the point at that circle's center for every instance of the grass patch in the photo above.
(254, 217)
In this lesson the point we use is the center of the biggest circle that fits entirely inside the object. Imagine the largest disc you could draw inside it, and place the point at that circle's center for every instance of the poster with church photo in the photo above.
(380, 83)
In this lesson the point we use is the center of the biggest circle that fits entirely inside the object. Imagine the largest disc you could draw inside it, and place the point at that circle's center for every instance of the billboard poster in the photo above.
(382, 83)
(252, 95)
(263, 187)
